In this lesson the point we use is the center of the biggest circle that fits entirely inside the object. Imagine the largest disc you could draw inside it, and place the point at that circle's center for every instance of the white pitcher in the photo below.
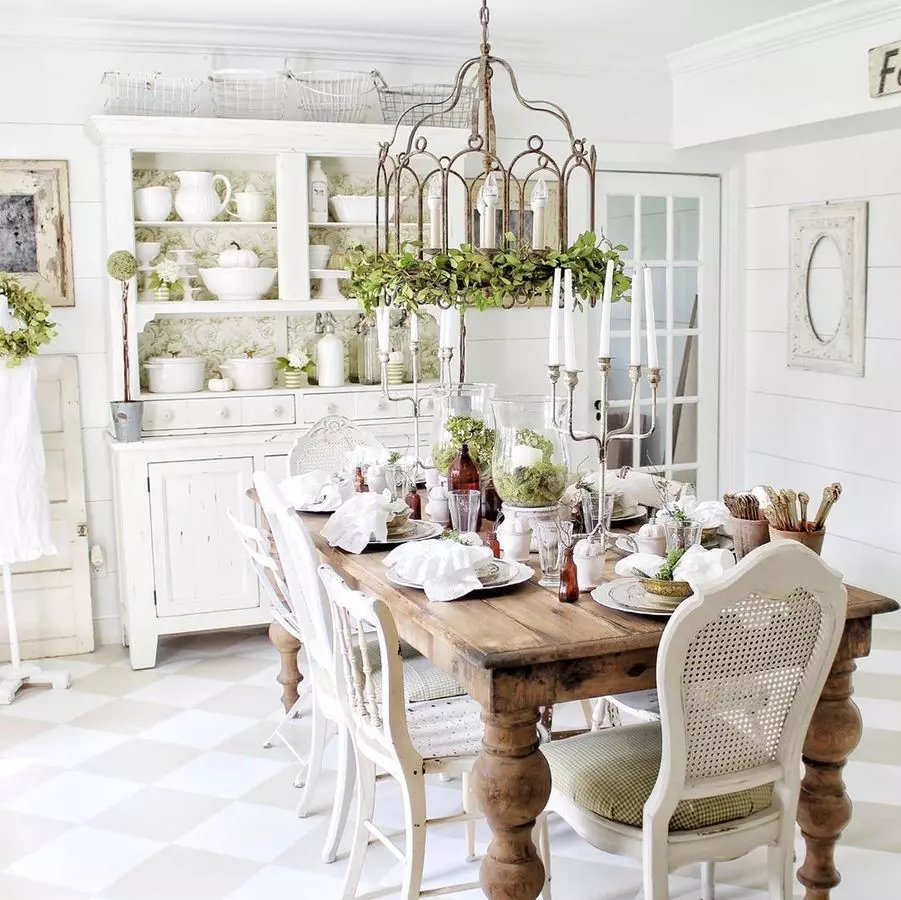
(196, 199)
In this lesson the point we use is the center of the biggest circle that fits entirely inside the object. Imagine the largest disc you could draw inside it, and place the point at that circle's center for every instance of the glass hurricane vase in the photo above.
(529, 465)
(462, 413)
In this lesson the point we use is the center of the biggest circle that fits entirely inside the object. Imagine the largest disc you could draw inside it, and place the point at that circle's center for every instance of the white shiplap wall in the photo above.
(806, 429)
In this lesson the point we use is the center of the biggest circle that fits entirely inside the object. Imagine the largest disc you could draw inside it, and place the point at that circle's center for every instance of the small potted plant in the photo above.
(127, 413)
(164, 276)
(296, 366)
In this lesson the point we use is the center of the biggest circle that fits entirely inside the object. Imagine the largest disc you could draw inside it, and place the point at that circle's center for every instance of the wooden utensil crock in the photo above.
(811, 539)
(748, 534)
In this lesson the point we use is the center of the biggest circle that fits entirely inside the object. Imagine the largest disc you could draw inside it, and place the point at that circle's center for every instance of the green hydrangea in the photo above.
(122, 265)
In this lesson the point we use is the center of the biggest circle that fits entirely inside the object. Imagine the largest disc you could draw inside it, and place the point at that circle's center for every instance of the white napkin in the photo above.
(361, 519)
(316, 490)
(697, 566)
(707, 513)
(445, 569)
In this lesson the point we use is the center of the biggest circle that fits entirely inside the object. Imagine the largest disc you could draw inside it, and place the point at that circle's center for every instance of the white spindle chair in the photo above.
(326, 444)
(406, 740)
(739, 671)
(269, 573)
(422, 681)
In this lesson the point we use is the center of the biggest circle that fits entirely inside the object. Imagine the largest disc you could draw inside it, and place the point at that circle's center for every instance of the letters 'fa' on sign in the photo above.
(885, 70)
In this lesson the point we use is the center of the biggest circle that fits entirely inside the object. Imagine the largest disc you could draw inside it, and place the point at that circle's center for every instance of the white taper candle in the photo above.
(569, 336)
(649, 318)
(635, 323)
(606, 306)
(553, 350)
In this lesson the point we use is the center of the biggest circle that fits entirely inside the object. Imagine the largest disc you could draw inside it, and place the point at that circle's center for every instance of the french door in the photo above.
(671, 223)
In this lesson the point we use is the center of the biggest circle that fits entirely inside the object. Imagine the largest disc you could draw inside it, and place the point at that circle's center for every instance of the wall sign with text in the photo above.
(885, 70)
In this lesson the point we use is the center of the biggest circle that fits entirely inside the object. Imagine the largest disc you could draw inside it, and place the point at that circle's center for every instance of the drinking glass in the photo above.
(464, 507)
(590, 511)
(396, 477)
(549, 553)
(681, 535)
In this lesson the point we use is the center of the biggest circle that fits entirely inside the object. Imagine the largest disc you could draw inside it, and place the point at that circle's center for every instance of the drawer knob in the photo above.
(277, 410)
(167, 416)
(332, 408)
(223, 413)
(382, 404)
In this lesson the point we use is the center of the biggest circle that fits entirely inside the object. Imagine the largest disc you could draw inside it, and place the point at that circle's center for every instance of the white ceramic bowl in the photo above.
(174, 374)
(147, 251)
(320, 254)
(238, 283)
(250, 374)
(356, 209)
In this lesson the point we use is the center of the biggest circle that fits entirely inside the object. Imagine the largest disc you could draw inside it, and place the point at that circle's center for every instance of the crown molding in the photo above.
(364, 47)
(783, 33)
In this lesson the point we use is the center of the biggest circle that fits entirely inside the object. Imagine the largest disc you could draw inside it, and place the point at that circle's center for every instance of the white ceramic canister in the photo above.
(175, 374)
(153, 204)
(589, 559)
(330, 358)
(437, 507)
(255, 373)
(515, 538)
(250, 206)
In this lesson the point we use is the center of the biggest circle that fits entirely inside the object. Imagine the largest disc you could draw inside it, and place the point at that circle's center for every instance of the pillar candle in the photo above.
(414, 328)
(635, 324)
(569, 336)
(383, 327)
(604, 343)
(539, 202)
(490, 195)
(649, 319)
(435, 212)
(553, 350)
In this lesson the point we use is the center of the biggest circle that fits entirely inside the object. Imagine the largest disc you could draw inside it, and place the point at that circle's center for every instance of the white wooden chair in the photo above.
(740, 667)
(326, 444)
(269, 573)
(422, 681)
(406, 740)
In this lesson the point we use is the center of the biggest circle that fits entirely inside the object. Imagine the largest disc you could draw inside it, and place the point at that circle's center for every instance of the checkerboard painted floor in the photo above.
(154, 785)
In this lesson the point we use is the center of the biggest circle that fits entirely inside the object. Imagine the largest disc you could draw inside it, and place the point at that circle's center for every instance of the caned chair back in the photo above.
(370, 670)
(299, 562)
(326, 445)
(739, 671)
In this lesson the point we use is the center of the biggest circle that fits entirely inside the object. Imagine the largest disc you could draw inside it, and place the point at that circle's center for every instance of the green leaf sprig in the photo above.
(18, 343)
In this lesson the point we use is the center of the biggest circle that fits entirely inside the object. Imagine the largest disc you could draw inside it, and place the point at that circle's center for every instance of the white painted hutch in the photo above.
(181, 568)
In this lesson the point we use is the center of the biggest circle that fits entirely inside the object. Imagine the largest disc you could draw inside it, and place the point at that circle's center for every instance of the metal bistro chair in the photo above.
(326, 445)
(740, 667)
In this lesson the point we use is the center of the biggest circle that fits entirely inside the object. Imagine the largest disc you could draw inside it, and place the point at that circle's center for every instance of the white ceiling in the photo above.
(653, 27)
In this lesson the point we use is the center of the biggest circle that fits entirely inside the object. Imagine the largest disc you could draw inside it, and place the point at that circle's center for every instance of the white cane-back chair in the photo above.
(739, 671)
(406, 740)
(257, 545)
(326, 445)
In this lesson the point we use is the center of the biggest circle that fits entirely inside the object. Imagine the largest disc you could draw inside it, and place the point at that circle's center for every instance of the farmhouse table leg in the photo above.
(289, 676)
(512, 782)
(824, 808)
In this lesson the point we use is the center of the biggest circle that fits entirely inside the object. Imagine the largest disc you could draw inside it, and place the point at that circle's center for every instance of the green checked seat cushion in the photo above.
(422, 680)
(612, 772)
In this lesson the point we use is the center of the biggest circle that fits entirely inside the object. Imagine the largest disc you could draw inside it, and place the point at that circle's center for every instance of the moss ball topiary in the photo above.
(122, 265)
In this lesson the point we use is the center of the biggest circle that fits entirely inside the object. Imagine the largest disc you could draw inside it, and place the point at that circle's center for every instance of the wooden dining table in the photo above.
(521, 650)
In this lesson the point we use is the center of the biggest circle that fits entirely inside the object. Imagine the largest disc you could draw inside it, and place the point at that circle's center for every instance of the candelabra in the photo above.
(445, 357)
(606, 435)
(413, 399)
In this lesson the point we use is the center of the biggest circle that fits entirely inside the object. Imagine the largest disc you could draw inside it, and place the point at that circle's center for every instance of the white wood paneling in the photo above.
(198, 567)
(766, 300)
(766, 238)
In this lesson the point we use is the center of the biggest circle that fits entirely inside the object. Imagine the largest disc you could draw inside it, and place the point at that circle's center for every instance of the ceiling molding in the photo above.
(366, 47)
(786, 32)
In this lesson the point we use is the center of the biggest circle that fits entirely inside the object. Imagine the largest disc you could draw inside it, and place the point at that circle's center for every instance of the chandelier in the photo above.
(475, 180)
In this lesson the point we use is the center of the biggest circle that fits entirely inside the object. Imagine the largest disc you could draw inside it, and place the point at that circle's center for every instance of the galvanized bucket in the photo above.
(127, 417)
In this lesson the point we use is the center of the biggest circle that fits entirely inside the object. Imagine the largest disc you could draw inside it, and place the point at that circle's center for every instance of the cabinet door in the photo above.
(199, 565)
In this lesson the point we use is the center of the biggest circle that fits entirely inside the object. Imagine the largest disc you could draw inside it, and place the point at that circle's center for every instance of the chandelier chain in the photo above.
(484, 16)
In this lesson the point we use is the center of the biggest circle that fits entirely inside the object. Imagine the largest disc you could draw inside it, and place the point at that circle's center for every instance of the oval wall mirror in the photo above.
(825, 289)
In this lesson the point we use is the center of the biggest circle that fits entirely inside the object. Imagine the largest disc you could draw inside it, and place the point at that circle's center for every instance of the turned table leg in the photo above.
(824, 809)
(512, 783)
(289, 676)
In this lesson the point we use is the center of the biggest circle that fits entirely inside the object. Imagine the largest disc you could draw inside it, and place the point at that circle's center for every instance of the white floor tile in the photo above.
(250, 831)
(85, 859)
(47, 705)
(224, 775)
(65, 746)
(73, 796)
(278, 881)
(13, 888)
(179, 690)
(198, 728)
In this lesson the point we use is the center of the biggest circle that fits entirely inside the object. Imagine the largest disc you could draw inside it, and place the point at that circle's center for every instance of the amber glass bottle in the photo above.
(463, 475)
(414, 501)
(569, 579)
(360, 485)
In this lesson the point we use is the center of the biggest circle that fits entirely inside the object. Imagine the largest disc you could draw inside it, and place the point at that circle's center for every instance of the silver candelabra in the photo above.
(606, 435)
(413, 399)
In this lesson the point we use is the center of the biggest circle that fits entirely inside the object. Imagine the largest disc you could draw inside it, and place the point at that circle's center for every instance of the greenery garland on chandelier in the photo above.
(484, 279)
(18, 343)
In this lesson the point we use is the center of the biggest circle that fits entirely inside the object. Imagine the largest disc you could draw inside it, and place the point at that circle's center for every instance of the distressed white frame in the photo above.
(845, 224)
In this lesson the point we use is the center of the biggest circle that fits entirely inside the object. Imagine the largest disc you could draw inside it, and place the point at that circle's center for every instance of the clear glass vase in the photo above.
(462, 414)
(529, 466)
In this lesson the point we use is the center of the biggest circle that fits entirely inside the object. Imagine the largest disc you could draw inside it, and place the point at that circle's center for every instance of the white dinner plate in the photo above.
(636, 512)
(321, 510)
(414, 530)
(607, 594)
(519, 573)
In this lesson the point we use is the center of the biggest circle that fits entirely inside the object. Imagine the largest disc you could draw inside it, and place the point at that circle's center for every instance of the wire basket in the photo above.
(338, 96)
(396, 101)
(248, 93)
(150, 94)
